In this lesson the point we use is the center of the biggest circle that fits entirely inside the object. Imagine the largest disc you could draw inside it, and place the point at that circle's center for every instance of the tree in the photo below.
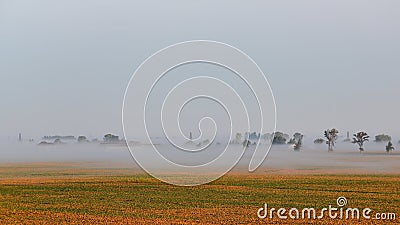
(110, 138)
(331, 137)
(359, 139)
(280, 138)
(389, 147)
(296, 141)
(82, 139)
(246, 143)
(383, 138)
(318, 141)
(238, 138)
(57, 141)
(254, 136)
(297, 146)
(266, 136)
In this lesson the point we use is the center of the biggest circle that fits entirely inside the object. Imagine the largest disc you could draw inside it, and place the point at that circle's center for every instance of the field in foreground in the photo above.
(56, 195)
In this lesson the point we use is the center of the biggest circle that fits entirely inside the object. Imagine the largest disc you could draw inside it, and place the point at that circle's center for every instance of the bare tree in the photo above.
(331, 137)
(389, 147)
(359, 139)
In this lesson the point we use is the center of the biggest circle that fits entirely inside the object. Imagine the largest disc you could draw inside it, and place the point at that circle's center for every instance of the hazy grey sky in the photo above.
(64, 65)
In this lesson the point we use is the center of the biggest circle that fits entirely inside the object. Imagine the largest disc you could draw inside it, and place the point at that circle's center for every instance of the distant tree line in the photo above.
(70, 137)
(359, 138)
(251, 138)
(330, 138)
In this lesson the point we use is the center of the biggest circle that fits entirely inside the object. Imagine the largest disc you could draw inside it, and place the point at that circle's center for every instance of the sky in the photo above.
(64, 65)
